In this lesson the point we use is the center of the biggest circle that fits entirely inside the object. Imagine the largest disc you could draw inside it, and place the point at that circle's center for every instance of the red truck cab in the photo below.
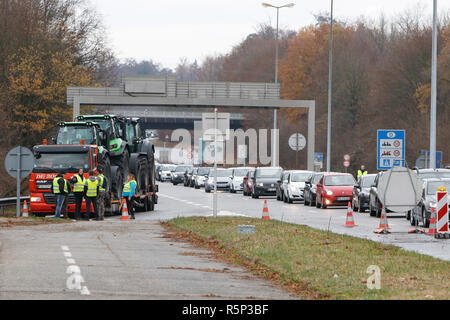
(49, 161)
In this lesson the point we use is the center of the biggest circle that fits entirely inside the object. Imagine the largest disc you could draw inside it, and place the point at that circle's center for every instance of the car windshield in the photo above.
(74, 134)
(182, 168)
(268, 173)
(62, 161)
(339, 180)
(437, 174)
(203, 171)
(316, 178)
(367, 181)
(240, 172)
(434, 185)
(300, 177)
(223, 173)
(168, 168)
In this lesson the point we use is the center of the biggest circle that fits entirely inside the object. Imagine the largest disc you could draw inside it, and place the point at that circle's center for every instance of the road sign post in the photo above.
(297, 142)
(18, 163)
(390, 149)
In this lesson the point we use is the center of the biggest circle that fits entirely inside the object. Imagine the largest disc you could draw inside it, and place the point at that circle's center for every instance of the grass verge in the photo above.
(315, 264)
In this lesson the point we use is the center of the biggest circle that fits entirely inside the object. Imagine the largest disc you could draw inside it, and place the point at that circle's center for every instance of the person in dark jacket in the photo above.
(91, 190)
(61, 189)
(78, 182)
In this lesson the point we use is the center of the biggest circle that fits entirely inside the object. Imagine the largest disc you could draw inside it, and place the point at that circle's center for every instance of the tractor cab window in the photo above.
(74, 135)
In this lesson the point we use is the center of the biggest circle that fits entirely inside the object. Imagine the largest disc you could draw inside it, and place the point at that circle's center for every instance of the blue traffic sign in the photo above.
(390, 149)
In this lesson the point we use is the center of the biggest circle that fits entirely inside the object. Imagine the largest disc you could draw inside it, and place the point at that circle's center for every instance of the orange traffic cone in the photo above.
(384, 226)
(265, 214)
(432, 231)
(350, 222)
(25, 209)
(125, 211)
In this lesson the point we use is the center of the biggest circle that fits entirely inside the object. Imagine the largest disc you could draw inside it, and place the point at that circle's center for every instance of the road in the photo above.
(115, 259)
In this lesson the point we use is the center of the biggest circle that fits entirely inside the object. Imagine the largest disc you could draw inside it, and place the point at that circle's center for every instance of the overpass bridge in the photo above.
(168, 118)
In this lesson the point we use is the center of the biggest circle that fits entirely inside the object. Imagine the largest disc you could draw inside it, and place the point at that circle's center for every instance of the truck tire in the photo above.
(116, 185)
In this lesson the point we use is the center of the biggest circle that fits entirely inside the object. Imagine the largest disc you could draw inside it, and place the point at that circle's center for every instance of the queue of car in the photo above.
(320, 189)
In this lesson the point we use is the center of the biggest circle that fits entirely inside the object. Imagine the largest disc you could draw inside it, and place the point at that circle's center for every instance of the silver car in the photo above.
(422, 213)
(223, 180)
(293, 191)
(237, 179)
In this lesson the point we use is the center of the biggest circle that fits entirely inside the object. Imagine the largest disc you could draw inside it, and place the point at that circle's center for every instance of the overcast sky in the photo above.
(166, 30)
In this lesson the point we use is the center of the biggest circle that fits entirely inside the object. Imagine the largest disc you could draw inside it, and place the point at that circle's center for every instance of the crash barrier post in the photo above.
(349, 221)
(125, 211)
(442, 214)
(383, 227)
(265, 214)
(25, 209)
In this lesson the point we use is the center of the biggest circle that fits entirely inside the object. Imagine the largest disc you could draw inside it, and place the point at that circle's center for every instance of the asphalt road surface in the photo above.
(115, 259)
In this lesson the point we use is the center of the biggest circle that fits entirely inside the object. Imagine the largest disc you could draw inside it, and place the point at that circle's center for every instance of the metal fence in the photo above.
(9, 202)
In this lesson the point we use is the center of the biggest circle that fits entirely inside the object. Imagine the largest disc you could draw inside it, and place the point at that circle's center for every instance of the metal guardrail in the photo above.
(5, 202)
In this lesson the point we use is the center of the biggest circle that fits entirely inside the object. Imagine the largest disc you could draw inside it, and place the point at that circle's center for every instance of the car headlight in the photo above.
(329, 192)
(260, 184)
(35, 199)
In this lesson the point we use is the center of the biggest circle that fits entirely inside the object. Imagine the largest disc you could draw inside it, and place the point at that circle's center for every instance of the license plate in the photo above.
(343, 198)
(272, 189)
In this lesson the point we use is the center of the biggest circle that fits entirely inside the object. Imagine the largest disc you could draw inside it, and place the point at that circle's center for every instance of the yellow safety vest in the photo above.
(79, 185)
(127, 187)
(360, 173)
(102, 177)
(56, 186)
(92, 188)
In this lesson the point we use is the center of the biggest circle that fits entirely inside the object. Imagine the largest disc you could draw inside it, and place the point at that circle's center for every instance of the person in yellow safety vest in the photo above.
(362, 171)
(61, 189)
(103, 186)
(128, 192)
(91, 189)
(78, 182)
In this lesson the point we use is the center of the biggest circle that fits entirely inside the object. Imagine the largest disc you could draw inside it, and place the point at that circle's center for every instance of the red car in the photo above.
(334, 189)
(248, 182)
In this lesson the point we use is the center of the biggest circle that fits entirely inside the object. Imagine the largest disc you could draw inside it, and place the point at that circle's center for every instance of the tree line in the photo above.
(381, 76)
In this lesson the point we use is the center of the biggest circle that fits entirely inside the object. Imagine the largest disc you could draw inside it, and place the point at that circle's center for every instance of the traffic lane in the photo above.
(33, 265)
(119, 260)
(332, 218)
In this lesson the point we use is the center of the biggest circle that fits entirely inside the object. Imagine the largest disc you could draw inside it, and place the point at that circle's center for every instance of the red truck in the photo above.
(66, 159)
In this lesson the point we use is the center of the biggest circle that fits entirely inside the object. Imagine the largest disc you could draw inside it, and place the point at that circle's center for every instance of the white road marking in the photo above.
(75, 279)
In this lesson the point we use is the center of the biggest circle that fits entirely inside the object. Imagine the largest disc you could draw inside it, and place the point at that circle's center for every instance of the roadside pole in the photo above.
(19, 154)
(215, 165)
(432, 164)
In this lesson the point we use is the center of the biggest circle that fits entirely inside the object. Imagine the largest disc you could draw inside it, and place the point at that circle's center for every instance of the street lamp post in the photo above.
(274, 140)
(330, 78)
(432, 164)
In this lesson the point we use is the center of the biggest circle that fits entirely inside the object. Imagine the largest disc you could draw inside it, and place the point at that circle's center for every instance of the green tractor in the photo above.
(117, 146)
(128, 151)
(89, 133)
(142, 160)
